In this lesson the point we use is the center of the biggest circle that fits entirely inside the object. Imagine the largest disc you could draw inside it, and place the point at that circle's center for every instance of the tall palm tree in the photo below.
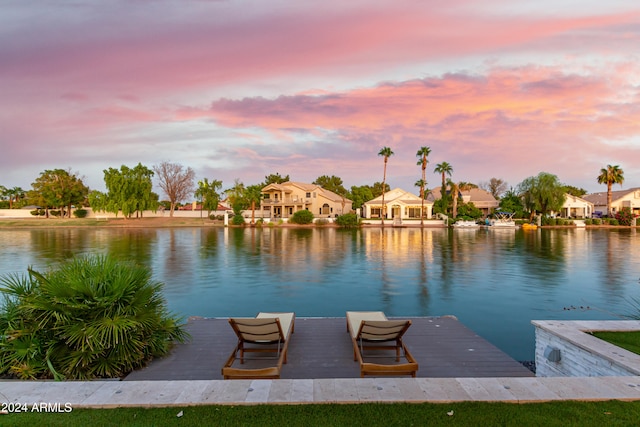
(444, 168)
(421, 183)
(422, 154)
(611, 175)
(386, 153)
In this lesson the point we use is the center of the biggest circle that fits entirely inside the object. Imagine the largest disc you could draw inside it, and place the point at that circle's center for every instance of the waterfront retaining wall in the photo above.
(566, 349)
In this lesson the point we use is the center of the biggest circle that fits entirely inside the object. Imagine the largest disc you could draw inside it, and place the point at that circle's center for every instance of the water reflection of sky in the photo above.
(494, 281)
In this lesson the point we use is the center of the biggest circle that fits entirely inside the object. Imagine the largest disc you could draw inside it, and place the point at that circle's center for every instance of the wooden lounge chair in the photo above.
(267, 334)
(371, 331)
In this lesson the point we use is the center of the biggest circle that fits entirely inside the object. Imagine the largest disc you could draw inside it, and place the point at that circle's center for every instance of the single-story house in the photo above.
(283, 200)
(619, 199)
(480, 198)
(398, 204)
(576, 207)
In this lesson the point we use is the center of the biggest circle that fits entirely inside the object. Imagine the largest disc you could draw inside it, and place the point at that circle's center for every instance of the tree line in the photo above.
(130, 190)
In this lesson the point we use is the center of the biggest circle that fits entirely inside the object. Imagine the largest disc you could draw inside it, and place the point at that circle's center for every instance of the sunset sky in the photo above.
(246, 88)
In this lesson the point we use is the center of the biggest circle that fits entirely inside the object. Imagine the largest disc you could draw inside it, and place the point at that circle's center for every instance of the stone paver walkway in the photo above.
(106, 394)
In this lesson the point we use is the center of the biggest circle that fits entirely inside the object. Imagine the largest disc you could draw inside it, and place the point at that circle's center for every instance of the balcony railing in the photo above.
(286, 200)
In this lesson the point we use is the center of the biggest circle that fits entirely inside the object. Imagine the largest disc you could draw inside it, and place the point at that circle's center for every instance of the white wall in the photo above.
(581, 354)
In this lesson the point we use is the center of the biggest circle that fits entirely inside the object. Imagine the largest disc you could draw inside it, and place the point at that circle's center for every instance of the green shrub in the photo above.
(91, 317)
(321, 222)
(588, 222)
(237, 220)
(348, 220)
(301, 217)
(80, 213)
(596, 221)
(38, 212)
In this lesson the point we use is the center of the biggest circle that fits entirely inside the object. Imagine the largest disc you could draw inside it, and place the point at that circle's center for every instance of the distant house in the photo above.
(576, 207)
(480, 198)
(195, 206)
(399, 204)
(283, 200)
(619, 199)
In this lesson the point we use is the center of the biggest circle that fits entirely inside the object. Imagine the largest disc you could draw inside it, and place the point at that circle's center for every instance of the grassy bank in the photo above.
(570, 413)
(117, 222)
(628, 340)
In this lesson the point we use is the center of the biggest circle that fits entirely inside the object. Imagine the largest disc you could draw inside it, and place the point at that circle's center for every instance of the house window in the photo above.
(375, 212)
(266, 196)
(308, 195)
(325, 209)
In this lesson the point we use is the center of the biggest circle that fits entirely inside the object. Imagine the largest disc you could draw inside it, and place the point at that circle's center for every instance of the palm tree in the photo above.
(386, 153)
(611, 175)
(253, 194)
(455, 189)
(422, 154)
(209, 197)
(444, 168)
(15, 194)
(421, 183)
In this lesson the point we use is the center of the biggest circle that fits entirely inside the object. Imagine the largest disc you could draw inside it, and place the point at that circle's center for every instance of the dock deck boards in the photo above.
(321, 348)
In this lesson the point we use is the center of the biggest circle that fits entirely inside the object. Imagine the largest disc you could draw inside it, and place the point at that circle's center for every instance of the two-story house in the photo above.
(283, 200)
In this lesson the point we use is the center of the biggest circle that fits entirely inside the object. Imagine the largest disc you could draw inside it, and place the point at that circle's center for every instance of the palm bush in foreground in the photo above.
(91, 317)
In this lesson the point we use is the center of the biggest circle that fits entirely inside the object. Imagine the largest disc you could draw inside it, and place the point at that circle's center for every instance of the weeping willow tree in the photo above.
(91, 317)
(128, 191)
(542, 193)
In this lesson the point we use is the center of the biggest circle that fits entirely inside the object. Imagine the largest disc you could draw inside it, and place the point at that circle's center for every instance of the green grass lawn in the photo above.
(627, 340)
(566, 413)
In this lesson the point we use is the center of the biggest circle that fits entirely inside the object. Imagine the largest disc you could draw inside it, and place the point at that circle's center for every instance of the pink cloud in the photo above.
(125, 87)
(540, 111)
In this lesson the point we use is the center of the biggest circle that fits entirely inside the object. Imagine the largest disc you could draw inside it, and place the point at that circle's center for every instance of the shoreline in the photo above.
(169, 222)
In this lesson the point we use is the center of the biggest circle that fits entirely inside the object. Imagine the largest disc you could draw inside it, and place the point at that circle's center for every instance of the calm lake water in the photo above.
(494, 281)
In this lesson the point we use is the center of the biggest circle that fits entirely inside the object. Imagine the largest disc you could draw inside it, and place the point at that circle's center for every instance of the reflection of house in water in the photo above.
(398, 203)
(399, 246)
(283, 200)
(295, 253)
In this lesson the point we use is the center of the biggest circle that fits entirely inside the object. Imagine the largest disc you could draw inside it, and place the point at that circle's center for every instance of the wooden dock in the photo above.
(321, 348)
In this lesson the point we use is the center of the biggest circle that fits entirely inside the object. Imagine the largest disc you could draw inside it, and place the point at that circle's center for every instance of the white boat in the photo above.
(503, 220)
(465, 224)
